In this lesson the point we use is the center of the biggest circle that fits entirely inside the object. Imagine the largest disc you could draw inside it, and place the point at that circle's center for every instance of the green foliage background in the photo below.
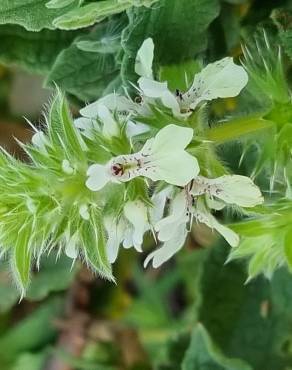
(195, 313)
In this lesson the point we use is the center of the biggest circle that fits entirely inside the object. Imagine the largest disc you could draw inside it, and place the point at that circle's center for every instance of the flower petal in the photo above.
(144, 59)
(110, 126)
(172, 137)
(240, 190)
(115, 231)
(178, 168)
(159, 201)
(168, 225)
(203, 216)
(152, 88)
(83, 211)
(136, 214)
(221, 79)
(168, 249)
(71, 250)
(39, 140)
(98, 177)
(113, 102)
(232, 189)
(133, 129)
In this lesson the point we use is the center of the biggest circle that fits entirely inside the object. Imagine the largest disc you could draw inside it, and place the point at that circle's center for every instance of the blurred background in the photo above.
(194, 313)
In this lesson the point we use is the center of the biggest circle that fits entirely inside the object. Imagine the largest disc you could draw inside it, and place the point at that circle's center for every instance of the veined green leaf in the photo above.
(55, 4)
(251, 321)
(22, 255)
(85, 74)
(202, 353)
(34, 51)
(175, 40)
(33, 15)
(102, 47)
(89, 14)
(93, 239)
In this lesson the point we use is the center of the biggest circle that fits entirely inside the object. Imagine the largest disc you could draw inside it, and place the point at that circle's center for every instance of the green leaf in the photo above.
(202, 353)
(34, 51)
(30, 361)
(288, 247)
(178, 29)
(54, 276)
(179, 76)
(33, 15)
(89, 14)
(62, 131)
(55, 4)
(37, 329)
(84, 74)
(9, 295)
(21, 257)
(251, 322)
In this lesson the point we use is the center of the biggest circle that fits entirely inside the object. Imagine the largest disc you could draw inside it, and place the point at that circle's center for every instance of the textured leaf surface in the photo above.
(174, 39)
(31, 14)
(34, 51)
(252, 322)
(89, 14)
(84, 74)
(202, 354)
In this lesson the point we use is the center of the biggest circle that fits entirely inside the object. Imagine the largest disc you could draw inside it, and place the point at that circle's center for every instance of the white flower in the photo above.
(168, 227)
(71, 249)
(129, 228)
(148, 86)
(159, 90)
(115, 230)
(83, 211)
(173, 229)
(221, 79)
(114, 102)
(110, 126)
(161, 158)
(40, 141)
(231, 189)
(168, 249)
(144, 59)
(66, 167)
(202, 215)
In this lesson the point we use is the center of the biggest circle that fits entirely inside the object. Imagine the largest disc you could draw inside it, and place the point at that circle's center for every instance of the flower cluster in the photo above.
(156, 178)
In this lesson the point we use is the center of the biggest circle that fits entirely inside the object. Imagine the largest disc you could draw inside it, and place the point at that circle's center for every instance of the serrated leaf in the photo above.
(89, 14)
(34, 51)
(84, 74)
(61, 128)
(21, 257)
(56, 4)
(33, 15)
(175, 40)
(202, 353)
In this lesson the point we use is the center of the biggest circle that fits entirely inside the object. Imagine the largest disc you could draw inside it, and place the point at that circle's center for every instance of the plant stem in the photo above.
(235, 128)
